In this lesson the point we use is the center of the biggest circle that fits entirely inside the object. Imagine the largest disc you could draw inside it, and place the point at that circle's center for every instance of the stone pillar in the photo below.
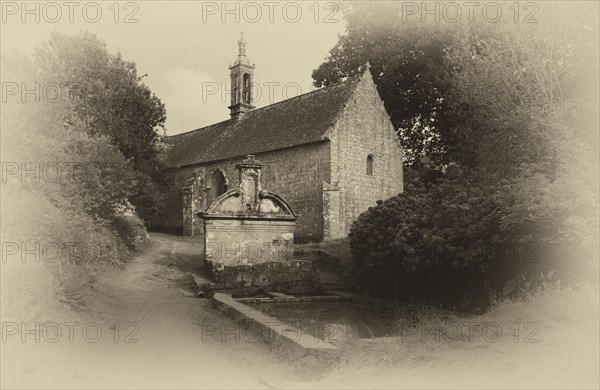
(192, 204)
(332, 225)
(197, 203)
(188, 210)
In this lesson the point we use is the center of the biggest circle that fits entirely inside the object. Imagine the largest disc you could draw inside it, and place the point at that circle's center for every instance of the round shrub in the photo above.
(429, 233)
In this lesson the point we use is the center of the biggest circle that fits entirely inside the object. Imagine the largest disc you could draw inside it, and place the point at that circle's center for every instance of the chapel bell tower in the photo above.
(242, 77)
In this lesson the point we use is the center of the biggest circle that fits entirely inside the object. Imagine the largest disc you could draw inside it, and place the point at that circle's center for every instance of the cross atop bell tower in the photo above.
(242, 77)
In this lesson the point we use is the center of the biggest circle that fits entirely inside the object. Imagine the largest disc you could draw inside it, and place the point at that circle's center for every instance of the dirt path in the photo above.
(155, 334)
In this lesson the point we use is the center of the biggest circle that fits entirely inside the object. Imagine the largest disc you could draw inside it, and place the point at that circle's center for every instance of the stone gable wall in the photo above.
(362, 129)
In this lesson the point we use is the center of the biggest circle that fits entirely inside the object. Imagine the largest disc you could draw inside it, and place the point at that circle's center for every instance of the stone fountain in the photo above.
(248, 237)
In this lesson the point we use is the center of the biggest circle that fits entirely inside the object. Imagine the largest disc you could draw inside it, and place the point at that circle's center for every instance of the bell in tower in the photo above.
(242, 74)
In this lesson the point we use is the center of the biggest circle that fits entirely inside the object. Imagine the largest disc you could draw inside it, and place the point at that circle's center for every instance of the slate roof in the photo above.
(300, 120)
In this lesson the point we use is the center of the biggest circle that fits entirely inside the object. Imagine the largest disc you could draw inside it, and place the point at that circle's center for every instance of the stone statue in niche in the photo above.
(250, 183)
(249, 188)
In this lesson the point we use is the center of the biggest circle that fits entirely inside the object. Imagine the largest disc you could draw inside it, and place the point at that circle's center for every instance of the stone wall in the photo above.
(254, 252)
(362, 129)
(297, 174)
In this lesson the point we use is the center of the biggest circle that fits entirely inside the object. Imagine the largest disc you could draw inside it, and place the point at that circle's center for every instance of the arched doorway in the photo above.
(218, 186)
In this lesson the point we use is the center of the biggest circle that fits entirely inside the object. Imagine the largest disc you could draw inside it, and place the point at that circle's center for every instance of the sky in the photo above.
(185, 47)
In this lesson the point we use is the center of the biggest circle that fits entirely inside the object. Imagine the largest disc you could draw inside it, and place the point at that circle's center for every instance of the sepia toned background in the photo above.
(91, 298)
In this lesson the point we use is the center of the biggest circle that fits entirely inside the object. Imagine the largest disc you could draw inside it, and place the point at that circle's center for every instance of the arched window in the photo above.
(370, 164)
(246, 90)
(235, 86)
(218, 186)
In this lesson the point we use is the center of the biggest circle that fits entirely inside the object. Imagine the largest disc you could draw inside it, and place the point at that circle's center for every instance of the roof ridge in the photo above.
(349, 79)
(198, 129)
(353, 78)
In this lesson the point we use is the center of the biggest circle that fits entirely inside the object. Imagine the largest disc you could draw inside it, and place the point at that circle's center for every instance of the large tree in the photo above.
(408, 66)
(519, 109)
(62, 195)
(416, 76)
(109, 97)
(529, 98)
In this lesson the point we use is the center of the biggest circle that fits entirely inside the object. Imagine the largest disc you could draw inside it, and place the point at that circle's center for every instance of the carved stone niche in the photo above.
(249, 233)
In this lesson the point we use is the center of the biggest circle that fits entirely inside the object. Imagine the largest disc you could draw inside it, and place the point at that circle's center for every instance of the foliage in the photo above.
(514, 100)
(131, 230)
(439, 80)
(450, 223)
(106, 94)
(520, 94)
(452, 242)
(409, 67)
(63, 192)
(526, 284)
(430, 229)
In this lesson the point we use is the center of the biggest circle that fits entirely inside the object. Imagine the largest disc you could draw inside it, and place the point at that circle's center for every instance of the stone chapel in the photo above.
(331, 153)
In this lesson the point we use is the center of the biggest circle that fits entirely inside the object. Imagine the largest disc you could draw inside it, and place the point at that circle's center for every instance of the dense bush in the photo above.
(445, 223)
(447, 241)
(433, 228)
(130, 229)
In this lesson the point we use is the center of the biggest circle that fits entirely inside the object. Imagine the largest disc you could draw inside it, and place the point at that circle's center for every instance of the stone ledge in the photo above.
(273, 331)
(291, 298)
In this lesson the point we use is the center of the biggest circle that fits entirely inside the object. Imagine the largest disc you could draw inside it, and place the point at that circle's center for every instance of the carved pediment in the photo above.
(249, 199)
(268, 204)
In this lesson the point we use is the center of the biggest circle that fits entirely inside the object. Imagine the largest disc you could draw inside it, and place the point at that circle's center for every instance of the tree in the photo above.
(525, 94)
(62, 191)
(514, 98)
(108, 96)
(416, 76)
(408, 64)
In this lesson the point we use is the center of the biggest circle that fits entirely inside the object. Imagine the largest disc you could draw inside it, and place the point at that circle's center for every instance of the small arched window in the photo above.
(370, 165)
(246, 89)
(235, 87)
